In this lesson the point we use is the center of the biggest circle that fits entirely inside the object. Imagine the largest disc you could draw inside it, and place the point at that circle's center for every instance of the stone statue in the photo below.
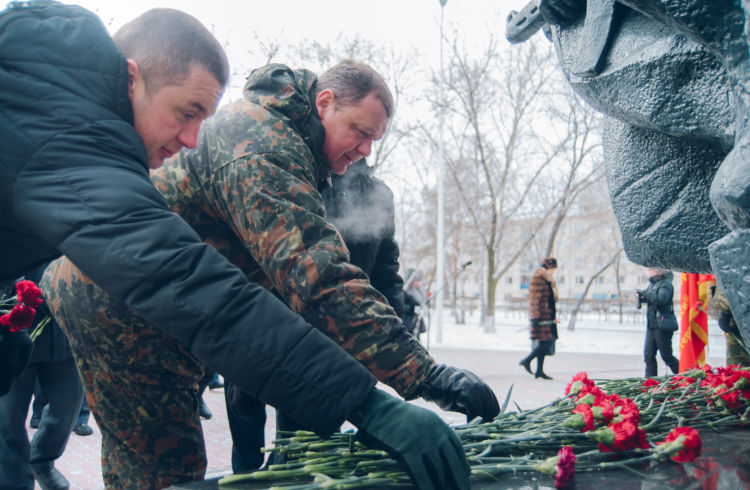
(673, 80)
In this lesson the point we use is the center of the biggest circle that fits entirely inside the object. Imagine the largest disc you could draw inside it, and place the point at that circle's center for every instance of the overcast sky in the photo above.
(400, 23)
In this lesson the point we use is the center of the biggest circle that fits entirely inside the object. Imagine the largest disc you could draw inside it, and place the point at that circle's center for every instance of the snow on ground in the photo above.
(591, 335)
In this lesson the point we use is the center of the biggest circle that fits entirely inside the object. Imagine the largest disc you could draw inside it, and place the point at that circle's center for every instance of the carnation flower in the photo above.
(619, 436)
(650, 384)
(19, 318)
(582, 418)
(28, 293)
(604, 412)
(566, 467)
(578, 382)
(591, 395)
(683, 444)
(627, 411)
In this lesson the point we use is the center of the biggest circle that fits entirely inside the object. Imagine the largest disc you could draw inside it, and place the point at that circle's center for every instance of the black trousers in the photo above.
(248, 432)
(61, 385)
(659, 340)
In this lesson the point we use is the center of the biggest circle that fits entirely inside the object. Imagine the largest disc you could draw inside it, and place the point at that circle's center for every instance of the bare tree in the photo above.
(507, 159)
(577, 307)
(582, 163)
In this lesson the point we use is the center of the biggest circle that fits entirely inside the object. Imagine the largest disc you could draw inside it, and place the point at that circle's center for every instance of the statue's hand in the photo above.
(562, 11)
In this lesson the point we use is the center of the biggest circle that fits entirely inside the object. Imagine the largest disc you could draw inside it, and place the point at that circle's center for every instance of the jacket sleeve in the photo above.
(384, 275)
(96, 204)
(276, 211)
(661, 295)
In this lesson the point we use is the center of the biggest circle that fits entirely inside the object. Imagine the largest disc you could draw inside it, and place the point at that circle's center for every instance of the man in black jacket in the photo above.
(83, 121)
(660, 320)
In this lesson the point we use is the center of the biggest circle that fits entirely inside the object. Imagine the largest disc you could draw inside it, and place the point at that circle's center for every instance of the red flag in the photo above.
(693, 319)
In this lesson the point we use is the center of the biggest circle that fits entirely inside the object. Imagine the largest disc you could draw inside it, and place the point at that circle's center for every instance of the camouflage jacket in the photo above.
(250, 189)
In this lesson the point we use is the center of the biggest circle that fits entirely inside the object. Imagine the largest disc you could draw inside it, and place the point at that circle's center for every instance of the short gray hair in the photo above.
(166, 43)
(351, 81)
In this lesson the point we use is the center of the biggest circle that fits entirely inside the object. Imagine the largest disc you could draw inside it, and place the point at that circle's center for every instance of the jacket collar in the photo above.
(291, 93)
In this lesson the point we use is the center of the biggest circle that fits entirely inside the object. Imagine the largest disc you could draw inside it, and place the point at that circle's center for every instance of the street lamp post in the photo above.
(441, 198)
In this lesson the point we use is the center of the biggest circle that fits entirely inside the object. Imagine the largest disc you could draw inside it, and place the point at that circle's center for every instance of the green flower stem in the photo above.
(516, 442)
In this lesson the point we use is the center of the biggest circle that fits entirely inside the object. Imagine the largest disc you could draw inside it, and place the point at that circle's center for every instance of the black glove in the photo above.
(417, 438)
(15, 352)
(459, 390)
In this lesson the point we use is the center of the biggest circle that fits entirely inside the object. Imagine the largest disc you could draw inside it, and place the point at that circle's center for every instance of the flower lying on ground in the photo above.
(597, 425)
(683, 444)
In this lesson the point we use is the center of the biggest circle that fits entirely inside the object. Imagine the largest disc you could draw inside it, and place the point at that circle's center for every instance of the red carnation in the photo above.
(586, 420)
(19, 318)
(679, 380)
(650, 384)
(28, 293)
(684, 441)
(566, 467)
(604, 411)
(591, 395)
(621, 436)
(579, 381)
(627, 411)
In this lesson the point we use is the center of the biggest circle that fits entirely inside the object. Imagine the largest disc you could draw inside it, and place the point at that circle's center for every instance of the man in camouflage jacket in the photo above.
(250, 189)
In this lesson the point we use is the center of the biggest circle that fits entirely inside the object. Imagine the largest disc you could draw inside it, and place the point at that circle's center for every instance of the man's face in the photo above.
(350, 130)
(168, 118)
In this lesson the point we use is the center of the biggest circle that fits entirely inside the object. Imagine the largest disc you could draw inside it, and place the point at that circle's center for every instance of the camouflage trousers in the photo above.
(141, 385)
(736, 353)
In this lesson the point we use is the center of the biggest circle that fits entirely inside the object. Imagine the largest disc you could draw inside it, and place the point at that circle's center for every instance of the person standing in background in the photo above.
(543, 317)
(661, 322)
(415, 298)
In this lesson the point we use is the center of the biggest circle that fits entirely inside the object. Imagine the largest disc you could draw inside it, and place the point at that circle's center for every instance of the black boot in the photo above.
(526, 363)
(83, 429)
(539, 368)
(203, 409)
(51, 479)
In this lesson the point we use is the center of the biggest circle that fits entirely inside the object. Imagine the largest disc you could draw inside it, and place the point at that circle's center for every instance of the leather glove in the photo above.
(459, 390)
(417, 438)
(15, 352)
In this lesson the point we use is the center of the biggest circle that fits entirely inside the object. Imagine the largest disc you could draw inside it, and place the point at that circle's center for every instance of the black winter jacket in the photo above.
(659, 297)
(74, 180)
(361, 207)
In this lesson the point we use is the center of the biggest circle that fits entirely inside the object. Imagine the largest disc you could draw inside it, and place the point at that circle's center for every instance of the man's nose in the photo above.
(365, 147)
(189, 135)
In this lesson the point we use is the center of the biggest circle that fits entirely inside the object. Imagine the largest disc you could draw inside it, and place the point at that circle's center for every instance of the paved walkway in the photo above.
(81, 461)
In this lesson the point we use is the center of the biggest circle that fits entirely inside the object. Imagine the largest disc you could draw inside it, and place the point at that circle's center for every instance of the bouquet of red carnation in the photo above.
(15, 343)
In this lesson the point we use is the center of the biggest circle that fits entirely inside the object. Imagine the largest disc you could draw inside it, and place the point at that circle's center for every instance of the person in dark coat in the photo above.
(83, 120)
(415, 297)
(250, 189)
(542, 316)
(53, 368)
(661, 322)
(361, 207)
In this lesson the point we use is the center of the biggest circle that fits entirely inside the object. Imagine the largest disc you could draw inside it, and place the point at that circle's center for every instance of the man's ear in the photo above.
(134, 75)
(324, 102)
